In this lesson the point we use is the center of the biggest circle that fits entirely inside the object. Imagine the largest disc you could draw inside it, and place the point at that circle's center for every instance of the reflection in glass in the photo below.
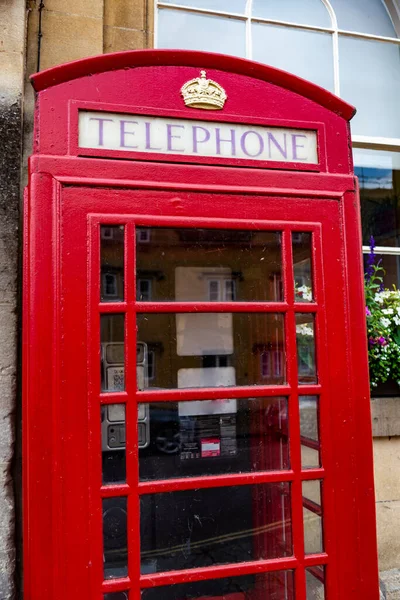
(212, 437)
(112, 263)
(309, 431)
(374, 90)
(312, 517)
(365, 16)
(309, 12)
(181, 29)
(209, 265)
(307, 370)
(206, 527)
(115, 537)
(315, 583)
(112, 353)
(302, 271)
(117, 596)
(113, 443)
(312, 59)
(195, 350)
(277, 585)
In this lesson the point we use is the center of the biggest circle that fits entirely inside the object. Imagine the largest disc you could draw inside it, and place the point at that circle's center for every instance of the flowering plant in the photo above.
(383, 324)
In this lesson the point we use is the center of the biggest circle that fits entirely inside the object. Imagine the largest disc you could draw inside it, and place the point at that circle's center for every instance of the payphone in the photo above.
(195, 278)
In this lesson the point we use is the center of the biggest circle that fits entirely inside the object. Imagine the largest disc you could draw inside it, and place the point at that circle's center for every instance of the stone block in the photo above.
(387, 468)
(387, 520)
(385, 414)
(8, 333)
(88, 8)
(125, 13)
(11, 69)
(117, 40)
(66, 38)
(12, 26)
(390, 584)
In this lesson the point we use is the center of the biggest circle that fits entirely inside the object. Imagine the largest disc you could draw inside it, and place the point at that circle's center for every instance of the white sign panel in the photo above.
(161, 135)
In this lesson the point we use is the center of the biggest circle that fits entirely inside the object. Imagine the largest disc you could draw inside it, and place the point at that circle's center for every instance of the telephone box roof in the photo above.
(205, 60)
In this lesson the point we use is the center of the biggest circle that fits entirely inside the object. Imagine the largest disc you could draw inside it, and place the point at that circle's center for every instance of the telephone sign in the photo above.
(193, 276)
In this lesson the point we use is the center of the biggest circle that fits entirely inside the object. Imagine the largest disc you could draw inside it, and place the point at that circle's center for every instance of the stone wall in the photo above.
(12, 43)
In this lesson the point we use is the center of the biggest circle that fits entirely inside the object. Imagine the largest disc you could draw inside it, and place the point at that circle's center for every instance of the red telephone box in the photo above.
(196, 400)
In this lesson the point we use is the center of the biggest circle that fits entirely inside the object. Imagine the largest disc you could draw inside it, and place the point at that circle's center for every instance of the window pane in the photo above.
(307, 369)
(312, 517)
(191, 31)
(370, 79)
(206, 527)
(391, 265)
(112, 262)
(315, 583)
(196, 350)
(115, 538)
(365, 16)
(305, 53)
(278, 585)
(117, 596)
(212, 437)
(113, 443)
(309, 431)
(236, 6)
(211, 265)
(112, 353)
(308, 12)
(302, 260)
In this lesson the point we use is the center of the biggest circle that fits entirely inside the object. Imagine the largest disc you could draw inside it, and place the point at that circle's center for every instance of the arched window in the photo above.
(350, 47)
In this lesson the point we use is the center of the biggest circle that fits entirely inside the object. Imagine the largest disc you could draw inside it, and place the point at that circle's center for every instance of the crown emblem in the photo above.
(204, 93)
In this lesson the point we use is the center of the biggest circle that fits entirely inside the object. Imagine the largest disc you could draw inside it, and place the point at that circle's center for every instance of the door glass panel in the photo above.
(309, 431)
(312, 517)
(206, 527)
(277, 585)
(315, 582)
(113, 443)
(112, 332)
(211, 437)
(194, 350)
(112, 263)
(209, 265)
(301, 243)
(117, 596)
(307, 369)
(115, 538)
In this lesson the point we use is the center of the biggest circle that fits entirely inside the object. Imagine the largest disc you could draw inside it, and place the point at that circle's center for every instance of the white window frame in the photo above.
(359, 141)
(222, 289)
(149, 283)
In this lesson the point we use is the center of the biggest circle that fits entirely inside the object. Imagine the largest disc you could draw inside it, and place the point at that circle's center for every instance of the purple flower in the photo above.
(371, 259)
(382, 341)
(372, 341)
(367, 312)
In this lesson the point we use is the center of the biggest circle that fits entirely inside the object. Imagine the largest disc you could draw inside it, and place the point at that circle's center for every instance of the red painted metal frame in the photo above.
(68, 197)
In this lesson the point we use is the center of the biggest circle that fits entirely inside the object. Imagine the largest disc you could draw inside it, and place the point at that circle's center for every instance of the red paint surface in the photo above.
(68, 197)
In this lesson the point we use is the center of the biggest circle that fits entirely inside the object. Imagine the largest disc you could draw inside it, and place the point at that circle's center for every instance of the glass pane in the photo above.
(370, 79)
(391, 264)
(112, 353)
(278, 585)
(112, 263)
(117, 596)
(306, 12)
(312, 517)
(307, 54)
(212, 437)
(113, 443)
(315, 583)
(236, 6)
(191, 31)
(206, 527)
(210, 265)
(194, 350)
(115, 538)
(309, 431)
(302, 267)
(307, 369)
(365, 16)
